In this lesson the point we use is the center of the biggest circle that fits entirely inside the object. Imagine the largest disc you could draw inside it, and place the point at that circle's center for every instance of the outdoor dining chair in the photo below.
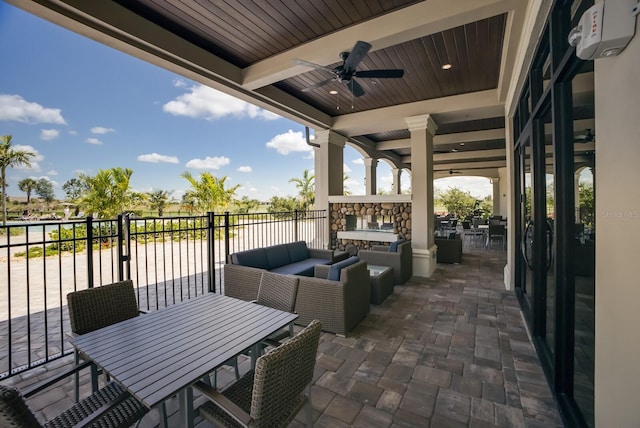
(273, 393)
(112, 406)
(278, 292)
(497, 232)
(99, 307)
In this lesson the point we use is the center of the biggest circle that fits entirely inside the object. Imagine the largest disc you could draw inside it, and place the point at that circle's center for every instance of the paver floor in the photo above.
(448, 351)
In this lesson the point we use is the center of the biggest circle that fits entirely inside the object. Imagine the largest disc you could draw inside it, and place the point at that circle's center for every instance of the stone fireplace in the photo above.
(359, 222)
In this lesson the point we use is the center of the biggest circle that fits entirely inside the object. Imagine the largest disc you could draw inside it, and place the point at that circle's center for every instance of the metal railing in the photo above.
(169, 259)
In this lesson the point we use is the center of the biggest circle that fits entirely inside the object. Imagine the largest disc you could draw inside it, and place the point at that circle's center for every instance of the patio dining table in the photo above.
(160, 354)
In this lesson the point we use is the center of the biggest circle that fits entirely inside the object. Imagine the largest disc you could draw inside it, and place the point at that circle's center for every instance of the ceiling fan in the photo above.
(346, 72)
(586, 137)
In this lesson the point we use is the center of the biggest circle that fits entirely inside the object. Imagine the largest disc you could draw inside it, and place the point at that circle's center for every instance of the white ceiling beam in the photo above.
(455, 138)
(484, 103)
(409, 23)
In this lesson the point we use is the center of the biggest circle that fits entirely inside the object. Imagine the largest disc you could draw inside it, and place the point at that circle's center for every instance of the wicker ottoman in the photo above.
(381, 280)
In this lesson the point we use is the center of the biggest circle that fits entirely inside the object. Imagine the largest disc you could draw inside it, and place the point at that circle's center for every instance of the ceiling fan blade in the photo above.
(310, 64)
(356, 55)
(355, 88)
(317, 85)
(380, 74)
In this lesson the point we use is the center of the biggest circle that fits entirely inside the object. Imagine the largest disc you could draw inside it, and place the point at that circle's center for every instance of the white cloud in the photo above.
(289, 142)
(208, 163)
(101, 130)
(345, 168)
(203, 102)
(387, 179)
(94, 141)
(14, 107)
(49, 134)
(73, 132)
(358, 161)
(157, 158)
(479, 187)
(52, 172)
(33, 160)
(179, 83)
(54, 183)
(245, 169)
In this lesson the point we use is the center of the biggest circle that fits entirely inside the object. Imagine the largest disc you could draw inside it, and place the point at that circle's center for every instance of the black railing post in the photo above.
(89, 252)
(122, 238)
(211, 259)
(226, 235)
(295, 225)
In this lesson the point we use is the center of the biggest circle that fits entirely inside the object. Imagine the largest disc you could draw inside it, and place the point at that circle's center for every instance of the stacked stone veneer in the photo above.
(400, 213)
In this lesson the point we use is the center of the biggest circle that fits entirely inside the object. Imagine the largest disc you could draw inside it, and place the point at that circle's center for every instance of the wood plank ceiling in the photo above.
(247, 35)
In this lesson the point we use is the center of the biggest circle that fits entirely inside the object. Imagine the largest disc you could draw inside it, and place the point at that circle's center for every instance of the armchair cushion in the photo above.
(334, 269)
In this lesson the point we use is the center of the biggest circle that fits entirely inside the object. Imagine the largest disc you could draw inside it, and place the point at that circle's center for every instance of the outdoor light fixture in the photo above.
(446, 66)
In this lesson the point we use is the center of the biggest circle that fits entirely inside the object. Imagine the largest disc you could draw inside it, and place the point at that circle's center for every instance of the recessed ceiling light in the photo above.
(454, 150)
(446, 66)
(333, 92)
(462, 144)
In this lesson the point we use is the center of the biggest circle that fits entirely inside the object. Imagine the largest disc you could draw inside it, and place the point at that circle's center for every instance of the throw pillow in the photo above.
(393, 248)
(334, 270)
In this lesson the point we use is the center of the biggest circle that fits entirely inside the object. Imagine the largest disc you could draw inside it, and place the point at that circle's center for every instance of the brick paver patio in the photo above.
(448, 351)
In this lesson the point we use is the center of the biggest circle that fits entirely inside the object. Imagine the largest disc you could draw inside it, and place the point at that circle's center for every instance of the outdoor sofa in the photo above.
(340, 303)
(293, 258)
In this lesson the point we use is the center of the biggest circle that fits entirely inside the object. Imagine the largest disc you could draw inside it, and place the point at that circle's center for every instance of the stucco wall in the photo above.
(617, 373)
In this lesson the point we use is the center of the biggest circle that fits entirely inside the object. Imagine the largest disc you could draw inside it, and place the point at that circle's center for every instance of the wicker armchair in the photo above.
(274, 393)
(401, 260)
(111, 406)
(99, 307)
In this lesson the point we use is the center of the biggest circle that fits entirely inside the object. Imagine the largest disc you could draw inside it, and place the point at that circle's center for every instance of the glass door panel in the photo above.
(584, 145)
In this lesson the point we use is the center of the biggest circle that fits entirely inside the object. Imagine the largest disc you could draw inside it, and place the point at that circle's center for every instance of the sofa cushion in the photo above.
(334, 270)
(298, 251)
(303, 267)
(393, 248)
(278, 255)
(253, 258)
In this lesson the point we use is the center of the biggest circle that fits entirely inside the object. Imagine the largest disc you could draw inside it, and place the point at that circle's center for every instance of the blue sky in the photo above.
(82, 106)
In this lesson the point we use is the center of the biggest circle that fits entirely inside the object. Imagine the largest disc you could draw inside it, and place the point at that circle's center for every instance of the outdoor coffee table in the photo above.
(381, 280)
(160, 354)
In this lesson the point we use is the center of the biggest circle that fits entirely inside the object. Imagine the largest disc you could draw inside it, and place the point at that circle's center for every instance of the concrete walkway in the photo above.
(448, 351)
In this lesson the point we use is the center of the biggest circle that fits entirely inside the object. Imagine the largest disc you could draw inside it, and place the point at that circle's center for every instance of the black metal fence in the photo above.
(169, 259)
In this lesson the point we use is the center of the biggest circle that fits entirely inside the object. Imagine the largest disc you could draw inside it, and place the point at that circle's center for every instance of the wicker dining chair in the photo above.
(96, 308)
(112, 406)
(273, 393)
(278, 292)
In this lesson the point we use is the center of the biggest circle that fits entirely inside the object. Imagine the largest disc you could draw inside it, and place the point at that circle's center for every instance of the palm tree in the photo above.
(209, 194)
(158, 200)
(27, 186)
(108, 192)
(10, 157)
(306, 188)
